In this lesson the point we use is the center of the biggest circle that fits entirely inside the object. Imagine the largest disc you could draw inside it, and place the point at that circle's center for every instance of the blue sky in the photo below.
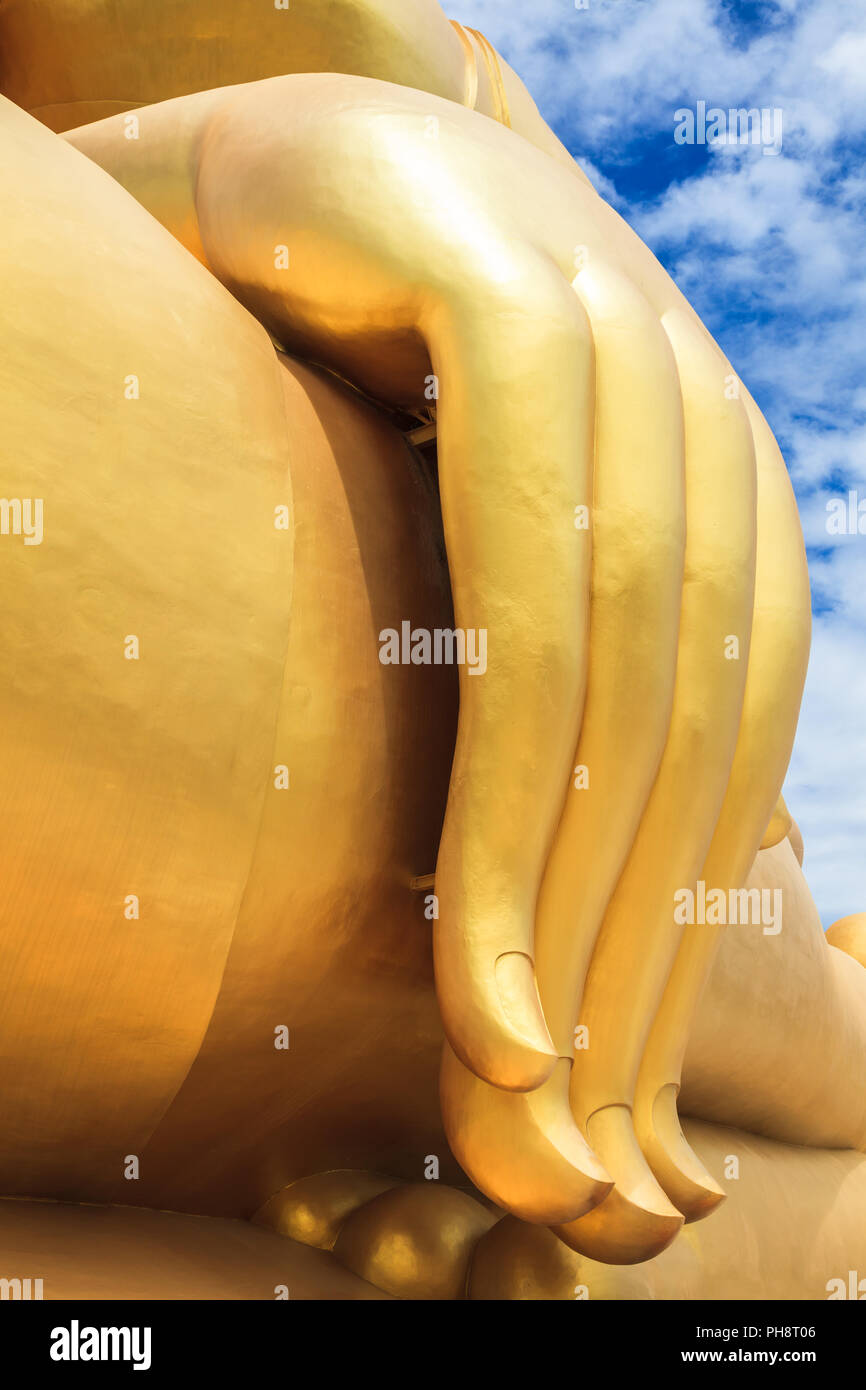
(770, 250)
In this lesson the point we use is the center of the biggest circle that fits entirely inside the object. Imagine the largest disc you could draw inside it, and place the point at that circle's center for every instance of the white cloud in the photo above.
(826, 785)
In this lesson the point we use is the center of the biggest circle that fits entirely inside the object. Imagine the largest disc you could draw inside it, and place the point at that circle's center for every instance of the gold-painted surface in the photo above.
(778, 1045)
(484, 939)
(791, 1228)
(519, 1262)
(848, 934)
(501, 109)
(107, 1253)
(70, 63)
(470, 88)
(781, 825)
(372, 225)
(778, 656)
(259, 907)
(121, 777)
(416, 1241)
(313, 1210)
(522, 1148)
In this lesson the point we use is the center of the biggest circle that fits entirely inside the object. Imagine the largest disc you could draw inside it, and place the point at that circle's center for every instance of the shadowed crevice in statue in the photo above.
(344, 955)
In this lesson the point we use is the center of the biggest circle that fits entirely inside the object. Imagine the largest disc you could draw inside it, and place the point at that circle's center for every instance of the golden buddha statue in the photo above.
(314, 332)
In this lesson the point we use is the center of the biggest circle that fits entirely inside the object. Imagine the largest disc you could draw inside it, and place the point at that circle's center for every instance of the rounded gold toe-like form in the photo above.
(314, 1209)
(416, 1241)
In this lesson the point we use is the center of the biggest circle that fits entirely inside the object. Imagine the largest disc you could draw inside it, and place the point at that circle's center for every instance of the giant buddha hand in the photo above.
(632, 728)
(620, 525)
